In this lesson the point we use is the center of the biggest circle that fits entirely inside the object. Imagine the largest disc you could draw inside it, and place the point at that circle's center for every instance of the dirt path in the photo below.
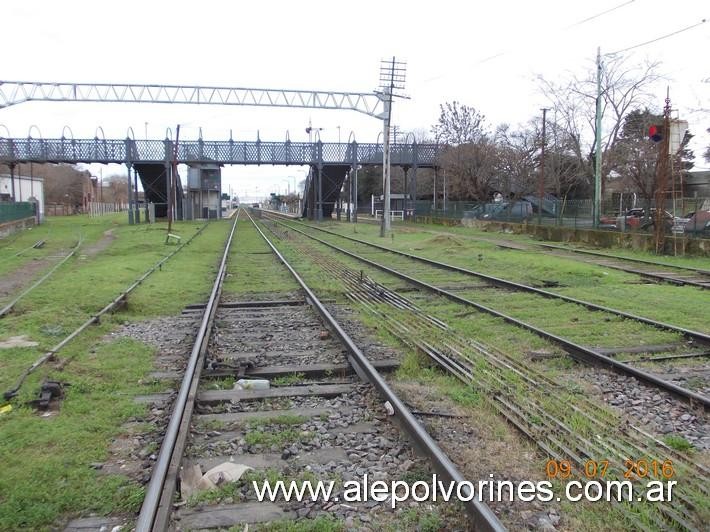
(102, 244)
(15, 281)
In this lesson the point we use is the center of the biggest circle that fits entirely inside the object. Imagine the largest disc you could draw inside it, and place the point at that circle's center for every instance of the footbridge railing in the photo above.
(99, 150)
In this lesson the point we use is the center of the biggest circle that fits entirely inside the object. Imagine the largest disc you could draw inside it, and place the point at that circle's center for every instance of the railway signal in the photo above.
(655, 132)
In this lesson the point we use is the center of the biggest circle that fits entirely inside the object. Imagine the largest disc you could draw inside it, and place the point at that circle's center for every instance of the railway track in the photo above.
(561, 422)
(113, 305)
(11, 304)
(647, 269)
(659, 271)
(573, 336)
(326, 410)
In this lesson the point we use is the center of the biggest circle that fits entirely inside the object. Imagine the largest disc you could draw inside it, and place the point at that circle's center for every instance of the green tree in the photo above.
(369, 182)
(635, 156)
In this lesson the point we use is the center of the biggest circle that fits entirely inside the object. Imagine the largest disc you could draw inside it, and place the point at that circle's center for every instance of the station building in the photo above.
(203, 197)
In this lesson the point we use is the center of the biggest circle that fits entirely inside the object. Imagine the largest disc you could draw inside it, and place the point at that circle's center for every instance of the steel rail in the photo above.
(578, 351)
(504, 283)
(155, 510)
(118, 301)
(677, 281)
(641, 273)
(558, 251)
(482, 516)
(667, 278)
(630, 259)
(21, 252)
(7, 308)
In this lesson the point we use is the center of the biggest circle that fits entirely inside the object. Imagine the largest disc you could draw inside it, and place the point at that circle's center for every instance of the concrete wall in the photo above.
(8, 228)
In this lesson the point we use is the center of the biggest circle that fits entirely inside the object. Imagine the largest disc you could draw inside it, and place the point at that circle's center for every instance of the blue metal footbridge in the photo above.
(152, 159)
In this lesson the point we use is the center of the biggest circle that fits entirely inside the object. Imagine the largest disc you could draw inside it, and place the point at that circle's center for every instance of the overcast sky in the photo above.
(486, 57)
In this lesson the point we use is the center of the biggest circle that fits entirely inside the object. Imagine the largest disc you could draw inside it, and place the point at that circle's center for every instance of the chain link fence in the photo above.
(688, 216)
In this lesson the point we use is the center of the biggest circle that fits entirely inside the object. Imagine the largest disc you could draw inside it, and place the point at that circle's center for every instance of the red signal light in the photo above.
(655, 133)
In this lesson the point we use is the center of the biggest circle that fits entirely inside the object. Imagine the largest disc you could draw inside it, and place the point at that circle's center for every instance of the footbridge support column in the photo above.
(130, 195)
(319, 209)
(137, 216)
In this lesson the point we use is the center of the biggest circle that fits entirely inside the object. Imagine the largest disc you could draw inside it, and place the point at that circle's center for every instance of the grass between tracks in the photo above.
(60, 235)
(691, 261)
(46, 475)
(684, 306)
(254, 270)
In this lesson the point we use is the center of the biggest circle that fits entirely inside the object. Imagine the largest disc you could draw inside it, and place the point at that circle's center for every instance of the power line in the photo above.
(599, 15)
(658, 38)
(504, 52)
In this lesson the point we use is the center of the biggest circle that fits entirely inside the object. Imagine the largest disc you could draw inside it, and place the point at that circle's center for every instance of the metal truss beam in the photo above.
(97, 150)
(16, 92)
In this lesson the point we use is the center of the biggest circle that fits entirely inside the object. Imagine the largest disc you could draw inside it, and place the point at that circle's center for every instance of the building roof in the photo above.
(699, 177)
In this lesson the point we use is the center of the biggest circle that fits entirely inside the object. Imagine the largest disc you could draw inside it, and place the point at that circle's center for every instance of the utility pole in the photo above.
(444, 194)
(172, 176)
(598, 145)
(392, 77)
(386, 222)
(542, 167)
(662, 165)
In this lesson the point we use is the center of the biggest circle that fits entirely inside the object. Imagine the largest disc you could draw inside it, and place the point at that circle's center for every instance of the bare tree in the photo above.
(469, 154)
(563, 173)
(63, 183)
(117, 189)
(458, 124)
(624, 88)
(518, 159)
(471, 169)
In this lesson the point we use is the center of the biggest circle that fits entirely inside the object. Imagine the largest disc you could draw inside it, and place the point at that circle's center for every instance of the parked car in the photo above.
(636, 219)
(698, 224)
(679, 222)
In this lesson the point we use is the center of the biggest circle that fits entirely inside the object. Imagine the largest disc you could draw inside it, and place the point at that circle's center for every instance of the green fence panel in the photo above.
(16, 211)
